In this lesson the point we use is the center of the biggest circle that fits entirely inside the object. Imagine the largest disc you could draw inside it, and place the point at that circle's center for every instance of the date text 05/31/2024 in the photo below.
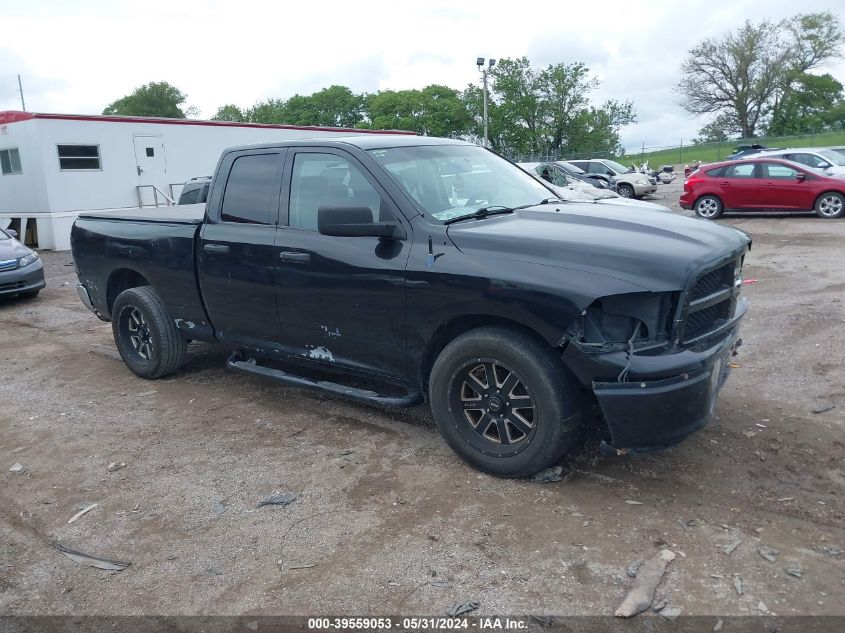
(417, 623)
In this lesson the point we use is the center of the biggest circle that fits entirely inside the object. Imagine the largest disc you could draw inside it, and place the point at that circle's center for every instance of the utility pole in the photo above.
(20, 89)
(480, 63)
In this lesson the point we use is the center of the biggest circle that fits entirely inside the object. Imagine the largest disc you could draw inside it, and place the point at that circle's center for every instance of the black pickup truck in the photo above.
(398, 269)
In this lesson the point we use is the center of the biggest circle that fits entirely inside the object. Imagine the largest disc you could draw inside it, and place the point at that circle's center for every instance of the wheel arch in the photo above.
(710, 194)
(824, 193)
(452, 329)
(120, 280)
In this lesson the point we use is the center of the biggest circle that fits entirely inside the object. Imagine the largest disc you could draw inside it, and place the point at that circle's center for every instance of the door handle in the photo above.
(215, 249)
(140, 171)
(295, 257)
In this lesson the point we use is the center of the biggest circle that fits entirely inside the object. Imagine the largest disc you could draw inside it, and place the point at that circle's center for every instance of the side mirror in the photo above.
(355, 222)
(801, 177)
(12, 233)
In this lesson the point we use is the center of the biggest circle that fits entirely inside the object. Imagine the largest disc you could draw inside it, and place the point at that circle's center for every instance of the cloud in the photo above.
(226, 51)
(37, 89)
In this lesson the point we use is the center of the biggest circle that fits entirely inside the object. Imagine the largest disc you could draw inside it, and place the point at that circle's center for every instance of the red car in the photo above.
(762, 184)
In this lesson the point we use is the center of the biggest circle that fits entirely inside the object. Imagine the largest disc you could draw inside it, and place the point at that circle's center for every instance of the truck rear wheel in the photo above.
(145, 335)
(504, 402)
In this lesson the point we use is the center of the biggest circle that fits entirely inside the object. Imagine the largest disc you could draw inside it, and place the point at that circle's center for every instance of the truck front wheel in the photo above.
(145, 335)
(504, 402)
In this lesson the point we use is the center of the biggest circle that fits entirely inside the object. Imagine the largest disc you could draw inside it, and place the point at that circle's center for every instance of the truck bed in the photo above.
(123, 248)
(181, 214)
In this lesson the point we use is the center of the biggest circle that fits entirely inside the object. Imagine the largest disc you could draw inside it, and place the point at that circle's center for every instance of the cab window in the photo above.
(328, 180)
(252, 190)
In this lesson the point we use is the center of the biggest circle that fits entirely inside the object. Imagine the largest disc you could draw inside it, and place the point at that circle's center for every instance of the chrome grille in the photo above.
(8, 264)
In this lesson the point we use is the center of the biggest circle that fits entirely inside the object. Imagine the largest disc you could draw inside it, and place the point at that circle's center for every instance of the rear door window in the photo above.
(741, 170)
(252, 190)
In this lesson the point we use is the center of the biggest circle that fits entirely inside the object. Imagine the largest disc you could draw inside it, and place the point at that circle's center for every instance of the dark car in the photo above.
(21, 270)
(762, 184)
(396, 269)
(741, 151)
(195, 190)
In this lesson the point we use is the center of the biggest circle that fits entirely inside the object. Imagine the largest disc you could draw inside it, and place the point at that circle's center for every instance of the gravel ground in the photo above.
(387, 519)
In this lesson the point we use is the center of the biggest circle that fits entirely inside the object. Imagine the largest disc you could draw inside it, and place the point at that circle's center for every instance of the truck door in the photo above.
(236, 249)
(341, 299)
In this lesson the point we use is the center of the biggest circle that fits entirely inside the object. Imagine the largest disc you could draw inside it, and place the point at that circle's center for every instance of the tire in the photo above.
(145, 335)
(708, 207)
(537, 434)
(626, 191)
(830, 205)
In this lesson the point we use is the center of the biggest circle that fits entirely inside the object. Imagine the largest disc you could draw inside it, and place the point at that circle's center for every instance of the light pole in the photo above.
(484, 69)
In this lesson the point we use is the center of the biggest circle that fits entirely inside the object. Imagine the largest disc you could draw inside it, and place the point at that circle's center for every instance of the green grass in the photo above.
(713, 152)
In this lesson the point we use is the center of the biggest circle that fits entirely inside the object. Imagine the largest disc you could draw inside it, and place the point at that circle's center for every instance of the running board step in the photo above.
(249, 366)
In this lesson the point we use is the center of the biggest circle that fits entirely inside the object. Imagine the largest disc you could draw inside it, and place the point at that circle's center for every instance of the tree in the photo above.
(269, 111)
(335, 106)
(806, 105)
(433, 111)
(743, 76)
(157, 99)
(546, 111)
(229, 112)
(719, 129)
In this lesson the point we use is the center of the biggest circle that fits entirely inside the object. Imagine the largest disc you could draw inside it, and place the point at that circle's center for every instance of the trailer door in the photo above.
(151, 165)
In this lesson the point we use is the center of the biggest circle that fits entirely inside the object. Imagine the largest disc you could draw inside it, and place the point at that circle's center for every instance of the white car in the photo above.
(829, 161)
(577, 191)
(629, 184)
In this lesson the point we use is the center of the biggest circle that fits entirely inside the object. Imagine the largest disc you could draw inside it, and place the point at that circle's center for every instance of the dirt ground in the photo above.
(387, 519)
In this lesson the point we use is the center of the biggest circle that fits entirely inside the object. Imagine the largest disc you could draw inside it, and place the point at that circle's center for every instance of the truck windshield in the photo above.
(453, 181)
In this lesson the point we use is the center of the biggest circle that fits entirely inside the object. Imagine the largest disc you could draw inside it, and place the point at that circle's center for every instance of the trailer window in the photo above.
(79, 157)
(10, 161)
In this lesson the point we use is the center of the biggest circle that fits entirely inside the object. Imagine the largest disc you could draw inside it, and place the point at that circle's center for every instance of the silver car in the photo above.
(21, 270)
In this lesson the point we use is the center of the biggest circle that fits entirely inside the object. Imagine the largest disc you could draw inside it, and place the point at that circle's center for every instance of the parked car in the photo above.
(762, 184)
(629, 184)
(436, 270)
(195, 190)
(740, 151)
(580, 191)
(21, 270)
(824, 159)
(602, 181)
(562, 175)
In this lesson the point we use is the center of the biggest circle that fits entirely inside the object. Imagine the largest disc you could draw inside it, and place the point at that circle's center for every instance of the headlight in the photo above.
(638, 317)
(26, 260)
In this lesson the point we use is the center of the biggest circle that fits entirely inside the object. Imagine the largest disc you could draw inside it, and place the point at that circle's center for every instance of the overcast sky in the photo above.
(77, 57)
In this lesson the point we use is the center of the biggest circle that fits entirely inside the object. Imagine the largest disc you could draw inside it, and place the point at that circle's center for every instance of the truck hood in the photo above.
(654, 250)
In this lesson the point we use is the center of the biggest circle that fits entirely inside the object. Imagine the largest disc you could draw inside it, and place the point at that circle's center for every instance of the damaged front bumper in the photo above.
(666, 396)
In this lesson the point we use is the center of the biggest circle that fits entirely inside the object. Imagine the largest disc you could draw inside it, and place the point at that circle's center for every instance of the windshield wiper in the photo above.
(497, 209)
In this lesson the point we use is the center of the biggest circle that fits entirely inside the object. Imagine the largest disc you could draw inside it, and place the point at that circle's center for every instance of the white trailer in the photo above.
(55, 166)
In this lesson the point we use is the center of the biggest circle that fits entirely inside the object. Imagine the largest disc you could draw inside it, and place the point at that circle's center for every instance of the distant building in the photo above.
(54, 166)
